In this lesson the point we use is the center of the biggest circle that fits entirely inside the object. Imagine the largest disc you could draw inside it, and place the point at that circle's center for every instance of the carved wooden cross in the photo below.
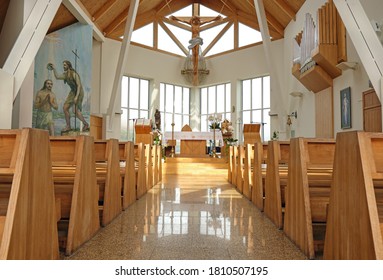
(195, 23)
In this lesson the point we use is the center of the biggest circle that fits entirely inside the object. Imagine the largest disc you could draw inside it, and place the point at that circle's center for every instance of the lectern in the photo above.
(251, 133)
(143, 129)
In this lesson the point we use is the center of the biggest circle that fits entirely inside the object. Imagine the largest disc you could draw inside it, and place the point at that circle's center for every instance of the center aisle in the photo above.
(196, 217)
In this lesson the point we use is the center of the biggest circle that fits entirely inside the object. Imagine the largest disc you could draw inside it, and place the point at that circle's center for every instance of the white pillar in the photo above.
(6, 99)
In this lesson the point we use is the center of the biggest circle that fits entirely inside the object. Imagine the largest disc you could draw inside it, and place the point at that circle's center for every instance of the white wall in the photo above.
(6, 98)
(304, 125)
(142, 63)
(159, 67)
(239, 65)
(357, 80)
(12, 25)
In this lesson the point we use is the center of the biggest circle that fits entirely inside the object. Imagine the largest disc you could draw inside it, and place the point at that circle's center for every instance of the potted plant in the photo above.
(275, 135)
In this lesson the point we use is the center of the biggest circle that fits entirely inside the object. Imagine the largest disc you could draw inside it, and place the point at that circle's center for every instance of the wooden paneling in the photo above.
(96, 127)
(110, 15)
(3, 11)
(324, 116)
(372, 112)
(354, 220)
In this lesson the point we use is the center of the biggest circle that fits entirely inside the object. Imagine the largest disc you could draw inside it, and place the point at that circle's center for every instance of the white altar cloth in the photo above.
(194, 135)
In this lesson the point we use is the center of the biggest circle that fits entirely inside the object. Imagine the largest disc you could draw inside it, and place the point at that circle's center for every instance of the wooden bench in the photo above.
(74, 175)
(28, 228)
(128, 174)
(108, 179)
(355, 214)
(247, 171)
(141, 173)
(232, 165)
(276, 180)
(157, 164)
(240, 164)
(259, 174)
(149, 166)
(308, 192)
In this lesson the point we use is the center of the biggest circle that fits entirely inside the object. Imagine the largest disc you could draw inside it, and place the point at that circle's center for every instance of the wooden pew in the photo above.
(108, 179)
(247, 170)
(155, 163)
(308, 192)
(276, 180)
(128, 173)
(231, 166)
(240, 167)
(156, 155)
(355, 214)
(141, 175)
(28, 228)
(149, 166)
(74, 175)
(259, 174)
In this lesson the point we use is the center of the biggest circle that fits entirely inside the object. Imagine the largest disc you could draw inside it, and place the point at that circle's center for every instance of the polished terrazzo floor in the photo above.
(189, 217)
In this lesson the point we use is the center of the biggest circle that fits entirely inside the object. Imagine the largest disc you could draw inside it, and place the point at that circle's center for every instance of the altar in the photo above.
(194, 143)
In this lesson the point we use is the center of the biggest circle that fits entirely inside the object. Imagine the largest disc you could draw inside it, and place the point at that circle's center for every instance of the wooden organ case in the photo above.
(319, 48)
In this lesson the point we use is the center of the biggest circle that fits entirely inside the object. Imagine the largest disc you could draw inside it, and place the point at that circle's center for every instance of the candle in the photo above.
(173, 118)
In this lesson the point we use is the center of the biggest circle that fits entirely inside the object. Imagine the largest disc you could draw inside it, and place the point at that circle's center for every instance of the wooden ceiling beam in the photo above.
(275, 23)
(248, 19)
(79, 11)
(229, 5)
(170, 6)
(252, 22)
(216, 39)
(144, 19)
(216, 23)
(141, 20)
(163, 6)
(116, 22)
(176, 23)
(286, 8)
(103, 10)
(173, 37)
(227, 9)
(251, 3)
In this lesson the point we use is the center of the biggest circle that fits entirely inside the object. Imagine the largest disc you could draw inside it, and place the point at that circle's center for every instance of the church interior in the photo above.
(191, 130)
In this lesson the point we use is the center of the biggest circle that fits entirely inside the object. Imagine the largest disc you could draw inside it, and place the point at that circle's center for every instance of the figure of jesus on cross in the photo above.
(195, 23)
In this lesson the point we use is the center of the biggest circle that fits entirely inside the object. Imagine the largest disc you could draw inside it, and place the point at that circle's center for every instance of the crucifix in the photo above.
(195, 23)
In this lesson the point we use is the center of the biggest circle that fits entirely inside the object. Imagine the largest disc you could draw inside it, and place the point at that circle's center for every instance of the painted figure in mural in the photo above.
(44, 102)
(346, 105)
(75, 96)
(157, 119)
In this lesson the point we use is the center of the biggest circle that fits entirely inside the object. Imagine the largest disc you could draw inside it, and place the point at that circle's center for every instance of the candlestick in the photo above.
(172, 153)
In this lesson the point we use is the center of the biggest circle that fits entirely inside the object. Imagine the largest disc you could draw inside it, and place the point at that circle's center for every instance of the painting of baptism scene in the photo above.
(62, 77)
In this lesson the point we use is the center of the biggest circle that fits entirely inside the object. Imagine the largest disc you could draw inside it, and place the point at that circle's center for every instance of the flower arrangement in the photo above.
(215, 121)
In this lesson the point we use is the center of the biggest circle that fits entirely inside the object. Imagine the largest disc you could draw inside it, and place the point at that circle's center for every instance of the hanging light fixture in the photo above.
(194, 69)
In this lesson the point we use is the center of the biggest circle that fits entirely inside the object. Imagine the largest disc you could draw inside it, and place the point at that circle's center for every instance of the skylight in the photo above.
(246, 34)
(144, 35)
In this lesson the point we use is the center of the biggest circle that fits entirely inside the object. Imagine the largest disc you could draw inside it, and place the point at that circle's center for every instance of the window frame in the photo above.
(262, 110)
(142, 109)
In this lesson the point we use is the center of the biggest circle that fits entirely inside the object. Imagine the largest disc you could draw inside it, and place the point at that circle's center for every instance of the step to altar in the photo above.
(195, 165)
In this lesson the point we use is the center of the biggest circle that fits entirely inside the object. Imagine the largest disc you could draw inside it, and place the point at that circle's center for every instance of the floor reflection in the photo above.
(186, 217)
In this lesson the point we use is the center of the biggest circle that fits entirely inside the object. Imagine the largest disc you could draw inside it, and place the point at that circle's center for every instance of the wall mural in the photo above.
(62, 81)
